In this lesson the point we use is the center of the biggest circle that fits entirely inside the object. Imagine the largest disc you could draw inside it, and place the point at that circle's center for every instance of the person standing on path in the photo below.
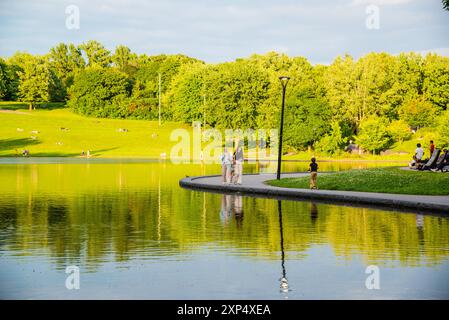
(239, 164)
(313, 168)
(226, 162)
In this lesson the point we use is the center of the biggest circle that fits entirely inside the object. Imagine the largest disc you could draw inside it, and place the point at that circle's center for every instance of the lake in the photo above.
(135, 234)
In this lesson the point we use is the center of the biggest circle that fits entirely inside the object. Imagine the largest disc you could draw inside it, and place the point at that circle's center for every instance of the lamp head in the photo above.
(284, 80)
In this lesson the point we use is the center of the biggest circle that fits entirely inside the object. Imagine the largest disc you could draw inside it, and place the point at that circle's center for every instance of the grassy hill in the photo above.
(63, 133)
(60, 132)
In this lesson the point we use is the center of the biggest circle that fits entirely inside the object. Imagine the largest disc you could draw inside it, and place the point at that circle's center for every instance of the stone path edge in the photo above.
(327, 196)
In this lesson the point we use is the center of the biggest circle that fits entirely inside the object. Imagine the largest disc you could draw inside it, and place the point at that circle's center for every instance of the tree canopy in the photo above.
(375, 100)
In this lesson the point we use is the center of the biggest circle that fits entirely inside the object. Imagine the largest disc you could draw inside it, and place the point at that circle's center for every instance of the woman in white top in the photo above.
(226, 162)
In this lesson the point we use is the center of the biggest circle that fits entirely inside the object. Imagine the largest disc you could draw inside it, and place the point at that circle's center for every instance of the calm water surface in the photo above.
(134, 233)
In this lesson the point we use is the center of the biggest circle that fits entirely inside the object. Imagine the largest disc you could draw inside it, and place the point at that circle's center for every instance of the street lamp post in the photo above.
(284, 81)
(159, 96)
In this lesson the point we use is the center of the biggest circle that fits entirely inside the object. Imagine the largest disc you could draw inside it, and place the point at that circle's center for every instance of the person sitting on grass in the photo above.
(419, 153)
(313, 168)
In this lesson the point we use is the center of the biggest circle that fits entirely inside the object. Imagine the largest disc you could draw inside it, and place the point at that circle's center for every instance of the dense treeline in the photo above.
(376, 100)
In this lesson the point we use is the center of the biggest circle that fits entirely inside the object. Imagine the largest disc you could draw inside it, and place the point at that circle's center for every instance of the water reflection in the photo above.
(112, 214)
(284, 282)
(232, 208)
(313, 212)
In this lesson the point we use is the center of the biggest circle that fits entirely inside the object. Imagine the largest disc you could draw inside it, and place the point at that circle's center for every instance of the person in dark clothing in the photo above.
(313, 168)
(442, 161)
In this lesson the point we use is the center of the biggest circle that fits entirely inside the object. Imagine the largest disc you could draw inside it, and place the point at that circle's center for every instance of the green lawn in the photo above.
(103, 139)
(385, 180)
(63, 133)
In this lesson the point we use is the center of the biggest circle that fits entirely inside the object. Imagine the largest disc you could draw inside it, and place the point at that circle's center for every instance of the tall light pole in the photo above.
(204, 110)
(284, 81)
(159, 96)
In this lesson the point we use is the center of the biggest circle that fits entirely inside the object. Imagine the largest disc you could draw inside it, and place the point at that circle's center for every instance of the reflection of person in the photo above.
(238, 165)
(231, 205)
(313, 168)
(313, 212)
(238, 210)
(419, 221)
(420, 227)
(225, 211)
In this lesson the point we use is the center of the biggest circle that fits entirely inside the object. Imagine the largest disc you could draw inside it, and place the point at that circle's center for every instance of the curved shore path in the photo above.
(253, 184)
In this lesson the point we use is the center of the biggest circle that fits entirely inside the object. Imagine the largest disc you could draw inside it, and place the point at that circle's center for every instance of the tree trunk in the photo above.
(30, 107)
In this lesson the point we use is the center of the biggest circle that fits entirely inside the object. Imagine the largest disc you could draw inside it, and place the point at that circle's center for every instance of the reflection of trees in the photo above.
(379, 235)
(78, 213)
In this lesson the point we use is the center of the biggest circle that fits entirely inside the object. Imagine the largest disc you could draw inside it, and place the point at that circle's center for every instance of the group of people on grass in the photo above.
(438, 160)
(232, 166)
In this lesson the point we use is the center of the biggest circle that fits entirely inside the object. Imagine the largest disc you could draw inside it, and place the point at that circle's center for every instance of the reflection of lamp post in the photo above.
(284, 282)
(284, 81)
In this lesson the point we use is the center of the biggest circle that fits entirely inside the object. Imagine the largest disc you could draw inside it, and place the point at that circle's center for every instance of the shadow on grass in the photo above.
(17, 106)
(93, 153)
(96, 153)
(20, 143)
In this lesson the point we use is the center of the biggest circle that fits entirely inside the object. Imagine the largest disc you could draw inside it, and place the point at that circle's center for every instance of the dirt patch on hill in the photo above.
(14, 112)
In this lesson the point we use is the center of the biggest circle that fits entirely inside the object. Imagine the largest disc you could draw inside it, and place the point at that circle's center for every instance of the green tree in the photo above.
(339, 82)
(407, 78)
(125, 60)
(443, 129)
(436, 80)
(145, 93)
(100, 93)
(66, 61)
(399, 130)
(235, 91)
(3, 79)
(15, 65)
(417, 112)
(307, 120)
(333, 142)
(36, 81)
(97, 55)
(373, 135)
(187, 94)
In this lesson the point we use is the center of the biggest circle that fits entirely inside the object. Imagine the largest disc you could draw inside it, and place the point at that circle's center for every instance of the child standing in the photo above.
(432, 147)
(313, 168)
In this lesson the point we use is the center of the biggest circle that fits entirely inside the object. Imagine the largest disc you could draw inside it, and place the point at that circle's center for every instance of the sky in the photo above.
(223, 30)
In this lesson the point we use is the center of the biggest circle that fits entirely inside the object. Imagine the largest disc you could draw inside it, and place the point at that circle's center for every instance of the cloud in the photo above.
(440, 51)
(379, 2)
(223, 30)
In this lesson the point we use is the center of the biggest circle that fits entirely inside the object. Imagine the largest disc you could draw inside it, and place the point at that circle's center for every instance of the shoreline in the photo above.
(196, 160)
(254, 185)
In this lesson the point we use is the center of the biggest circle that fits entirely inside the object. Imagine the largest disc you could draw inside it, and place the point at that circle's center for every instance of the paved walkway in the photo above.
(253, 184)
